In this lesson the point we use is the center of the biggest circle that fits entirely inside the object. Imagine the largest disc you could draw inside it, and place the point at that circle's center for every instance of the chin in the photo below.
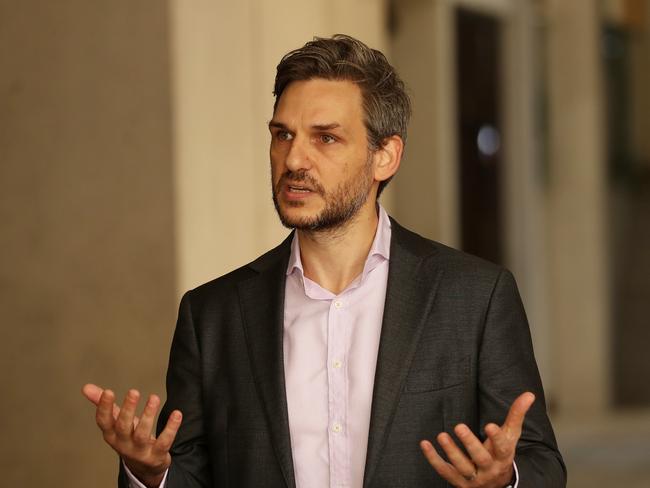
(293, 217)
(301, 215)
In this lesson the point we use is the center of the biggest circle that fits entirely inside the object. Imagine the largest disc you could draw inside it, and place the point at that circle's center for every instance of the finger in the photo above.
(456, 457)
(442, 467)
(142, 433)
(503, 444)
(93, 393)
(517, 413)
(124, 421)
(479, 454)
(166, 438)
(104, 413)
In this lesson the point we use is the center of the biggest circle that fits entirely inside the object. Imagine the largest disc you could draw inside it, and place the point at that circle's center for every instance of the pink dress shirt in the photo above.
(330, 353)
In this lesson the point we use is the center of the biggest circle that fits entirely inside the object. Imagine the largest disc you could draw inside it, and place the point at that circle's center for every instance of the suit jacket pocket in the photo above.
(449, 373)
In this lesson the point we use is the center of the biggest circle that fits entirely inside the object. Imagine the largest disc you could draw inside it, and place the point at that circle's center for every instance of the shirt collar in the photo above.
(379, 251)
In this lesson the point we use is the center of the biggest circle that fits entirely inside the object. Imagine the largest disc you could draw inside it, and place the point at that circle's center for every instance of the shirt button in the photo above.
(337, 364)
(336, 428)
(338, 304)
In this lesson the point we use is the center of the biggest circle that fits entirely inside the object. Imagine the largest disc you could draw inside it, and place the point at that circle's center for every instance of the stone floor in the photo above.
(610, 452)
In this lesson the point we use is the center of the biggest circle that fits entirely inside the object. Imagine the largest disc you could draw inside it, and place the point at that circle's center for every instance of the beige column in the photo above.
(426, 188)
(524, 178)
(578, 275)
(214, 168)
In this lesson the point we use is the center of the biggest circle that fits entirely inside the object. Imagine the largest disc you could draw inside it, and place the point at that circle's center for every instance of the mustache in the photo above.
(301, 176)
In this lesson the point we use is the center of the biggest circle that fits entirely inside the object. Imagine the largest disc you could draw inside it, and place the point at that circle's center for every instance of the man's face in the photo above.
(321, 168)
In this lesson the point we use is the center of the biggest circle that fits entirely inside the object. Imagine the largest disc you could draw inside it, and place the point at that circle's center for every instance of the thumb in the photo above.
(517, 412)
(93, 393)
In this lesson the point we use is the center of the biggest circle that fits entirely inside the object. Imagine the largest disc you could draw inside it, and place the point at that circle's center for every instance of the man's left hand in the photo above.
(491, 463)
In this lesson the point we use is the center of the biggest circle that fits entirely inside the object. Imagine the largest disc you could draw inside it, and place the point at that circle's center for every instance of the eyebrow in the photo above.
(321, 127)
(278, 125)
(333, 125)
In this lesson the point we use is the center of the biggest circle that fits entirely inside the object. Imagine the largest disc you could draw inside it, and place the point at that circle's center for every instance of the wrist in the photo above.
(153, 482)
(144, 474)
(512, 477)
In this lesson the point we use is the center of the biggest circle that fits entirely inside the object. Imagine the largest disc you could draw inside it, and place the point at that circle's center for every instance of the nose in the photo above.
(299, 156)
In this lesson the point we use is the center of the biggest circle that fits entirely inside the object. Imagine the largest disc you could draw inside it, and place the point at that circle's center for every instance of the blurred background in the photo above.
(134, 165)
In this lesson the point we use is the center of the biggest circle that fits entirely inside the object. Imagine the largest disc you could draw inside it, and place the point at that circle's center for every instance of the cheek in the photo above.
(277, 170)
(278, 149)
(277, 166)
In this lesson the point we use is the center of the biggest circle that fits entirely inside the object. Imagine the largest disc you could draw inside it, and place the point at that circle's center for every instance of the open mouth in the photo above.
(298, 189)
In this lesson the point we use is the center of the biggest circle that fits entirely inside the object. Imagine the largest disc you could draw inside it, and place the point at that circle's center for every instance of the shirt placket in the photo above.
(338, 436)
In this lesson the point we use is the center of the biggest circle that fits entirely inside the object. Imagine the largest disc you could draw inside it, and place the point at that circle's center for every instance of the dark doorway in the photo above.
(479, 131)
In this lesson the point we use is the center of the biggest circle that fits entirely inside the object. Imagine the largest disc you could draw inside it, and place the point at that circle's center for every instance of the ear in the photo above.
(388, 157)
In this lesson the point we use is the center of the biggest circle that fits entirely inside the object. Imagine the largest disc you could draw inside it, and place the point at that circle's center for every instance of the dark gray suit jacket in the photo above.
(455, 347)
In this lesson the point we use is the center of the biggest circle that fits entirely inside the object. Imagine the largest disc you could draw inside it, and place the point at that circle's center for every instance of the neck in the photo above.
(335, 257)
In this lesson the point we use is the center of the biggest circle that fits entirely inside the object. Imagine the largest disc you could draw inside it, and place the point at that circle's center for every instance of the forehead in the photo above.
(320, 100)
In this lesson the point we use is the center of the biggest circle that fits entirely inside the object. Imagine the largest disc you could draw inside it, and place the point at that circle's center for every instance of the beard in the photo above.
(341, 204)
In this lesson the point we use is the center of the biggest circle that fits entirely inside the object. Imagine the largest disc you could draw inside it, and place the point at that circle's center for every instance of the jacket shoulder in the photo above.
(270, 260)
(450, 260)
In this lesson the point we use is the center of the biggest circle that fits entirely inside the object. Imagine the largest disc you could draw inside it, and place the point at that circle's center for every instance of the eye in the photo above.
(327, 139)
(283, 135)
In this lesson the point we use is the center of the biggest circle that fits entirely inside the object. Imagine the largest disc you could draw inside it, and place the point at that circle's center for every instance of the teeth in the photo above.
(301, 190)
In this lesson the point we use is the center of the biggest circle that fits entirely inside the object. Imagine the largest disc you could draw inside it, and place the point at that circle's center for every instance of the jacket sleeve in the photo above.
(507, 368)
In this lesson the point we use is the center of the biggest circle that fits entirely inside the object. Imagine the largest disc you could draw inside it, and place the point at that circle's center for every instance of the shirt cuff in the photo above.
(135, 482)
(513, 484)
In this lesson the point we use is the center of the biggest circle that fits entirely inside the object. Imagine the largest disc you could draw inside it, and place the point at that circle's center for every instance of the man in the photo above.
(330, 360)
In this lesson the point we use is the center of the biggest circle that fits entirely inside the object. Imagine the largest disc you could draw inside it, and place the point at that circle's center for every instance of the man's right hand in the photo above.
(132, 438)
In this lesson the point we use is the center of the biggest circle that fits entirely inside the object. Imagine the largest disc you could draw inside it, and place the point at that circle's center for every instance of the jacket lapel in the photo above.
(262, 305)
(409, 297)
